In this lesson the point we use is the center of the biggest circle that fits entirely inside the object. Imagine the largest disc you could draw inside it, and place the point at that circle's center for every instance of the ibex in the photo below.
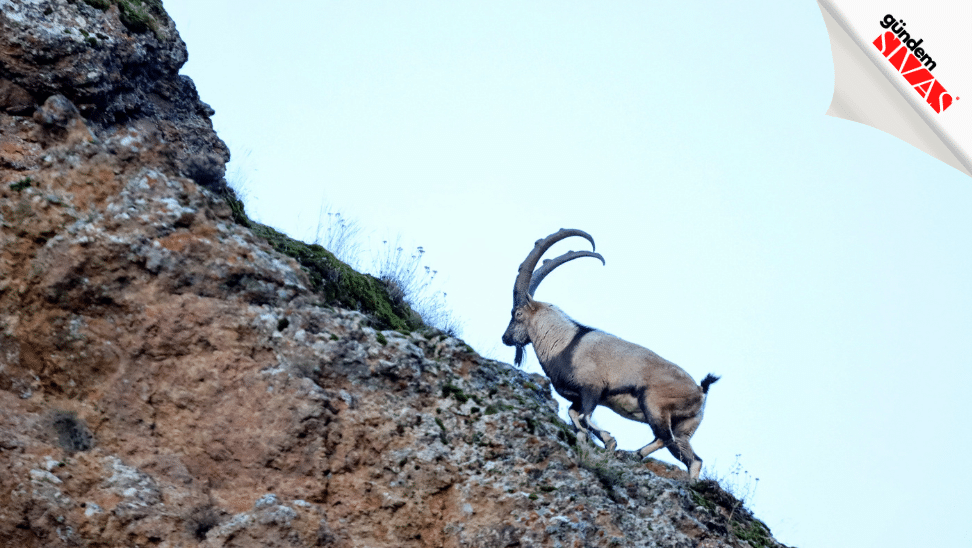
(590, 367)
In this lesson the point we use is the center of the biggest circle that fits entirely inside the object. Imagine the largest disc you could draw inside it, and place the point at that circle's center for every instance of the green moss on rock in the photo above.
(338, 284)
(20, 185)
(455, 392)
(756, 533)
(137, 15)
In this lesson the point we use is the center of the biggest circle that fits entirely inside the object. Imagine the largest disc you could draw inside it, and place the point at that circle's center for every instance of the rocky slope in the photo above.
(169, 378)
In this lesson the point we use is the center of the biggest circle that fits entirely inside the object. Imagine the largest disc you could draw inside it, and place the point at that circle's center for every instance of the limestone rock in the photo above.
(116, 61)
(168, 379)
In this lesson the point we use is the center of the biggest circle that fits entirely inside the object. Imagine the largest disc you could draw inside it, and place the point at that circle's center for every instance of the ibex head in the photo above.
(525, 309)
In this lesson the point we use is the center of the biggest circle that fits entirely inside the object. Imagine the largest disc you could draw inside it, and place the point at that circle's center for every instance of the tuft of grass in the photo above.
(411, 282)
(565, 434)
(335, 281)
(408, 282)
(138, 16)
(698, 494)
(455, 392)
(237, 208)
(21, 184)
(340, 284)
(442, 435)
(755, 532)
(398, 298)
(340, 235)
(737, 482)
(728, 496)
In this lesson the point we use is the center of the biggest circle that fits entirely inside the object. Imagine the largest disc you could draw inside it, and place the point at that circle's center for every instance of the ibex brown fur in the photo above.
(590, 367)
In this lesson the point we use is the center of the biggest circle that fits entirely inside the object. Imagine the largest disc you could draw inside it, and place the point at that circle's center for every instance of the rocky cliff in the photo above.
(172, 374)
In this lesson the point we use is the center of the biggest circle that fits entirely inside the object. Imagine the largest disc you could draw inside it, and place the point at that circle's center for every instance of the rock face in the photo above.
(88, 51)
(168, 379)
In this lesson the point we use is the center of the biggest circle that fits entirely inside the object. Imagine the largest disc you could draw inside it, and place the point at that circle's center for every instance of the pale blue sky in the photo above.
(821, 266)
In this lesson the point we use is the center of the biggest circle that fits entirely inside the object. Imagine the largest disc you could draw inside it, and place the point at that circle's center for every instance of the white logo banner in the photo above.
(904, 67)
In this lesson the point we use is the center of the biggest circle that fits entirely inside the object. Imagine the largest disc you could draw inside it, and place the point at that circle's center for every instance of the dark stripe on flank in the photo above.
(630, 389)
(560, 367)
(581, 331)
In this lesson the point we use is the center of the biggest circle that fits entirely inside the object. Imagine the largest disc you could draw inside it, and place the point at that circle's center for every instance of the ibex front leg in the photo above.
(583, 423)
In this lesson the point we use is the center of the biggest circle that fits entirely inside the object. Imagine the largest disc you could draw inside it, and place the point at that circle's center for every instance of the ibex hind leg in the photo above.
(658, 427)
(686, 427)
(671, 433)
(682, 431)
(655, 445)
(681, 449)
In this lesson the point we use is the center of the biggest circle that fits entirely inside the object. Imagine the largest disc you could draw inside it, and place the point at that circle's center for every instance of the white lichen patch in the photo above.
(134, 486)
(43, 476)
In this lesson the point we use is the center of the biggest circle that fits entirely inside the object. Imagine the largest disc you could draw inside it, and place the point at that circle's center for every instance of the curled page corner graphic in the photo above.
(880, 82)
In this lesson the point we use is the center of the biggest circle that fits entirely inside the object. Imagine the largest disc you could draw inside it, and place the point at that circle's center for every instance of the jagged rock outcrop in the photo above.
(117, 61)
(168, 379)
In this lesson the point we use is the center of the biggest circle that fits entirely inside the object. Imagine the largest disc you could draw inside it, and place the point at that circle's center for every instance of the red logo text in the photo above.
(901, 56)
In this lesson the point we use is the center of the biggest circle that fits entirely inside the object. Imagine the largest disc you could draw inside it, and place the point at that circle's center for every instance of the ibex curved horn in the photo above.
(550, 264)
(524, 286)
